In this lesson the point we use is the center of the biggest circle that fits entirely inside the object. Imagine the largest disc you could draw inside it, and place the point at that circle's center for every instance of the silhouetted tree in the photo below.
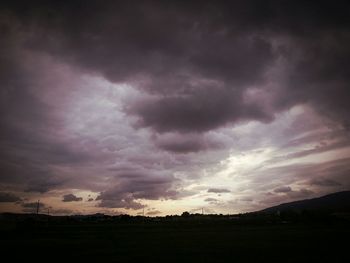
(185, 214)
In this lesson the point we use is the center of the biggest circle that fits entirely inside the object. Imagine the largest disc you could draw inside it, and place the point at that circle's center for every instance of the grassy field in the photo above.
(176, 242)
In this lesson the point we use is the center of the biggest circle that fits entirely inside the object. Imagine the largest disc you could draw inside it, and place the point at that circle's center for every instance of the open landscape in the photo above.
(175, 131)
(178, 242)
(291, 235)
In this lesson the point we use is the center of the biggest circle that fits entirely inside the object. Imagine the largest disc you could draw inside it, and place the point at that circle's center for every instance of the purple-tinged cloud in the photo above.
(246, 199)
(71, 198)
(6, 197)
(187, 143)
(138, 109)
(212, 201)
(283, 189)
(324, 182)
(218, 190)
(126, 202)
(133, 185)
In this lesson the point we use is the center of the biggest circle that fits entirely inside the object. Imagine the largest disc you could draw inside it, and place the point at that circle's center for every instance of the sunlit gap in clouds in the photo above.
(95, 108)
(95, 121)
(252, 159)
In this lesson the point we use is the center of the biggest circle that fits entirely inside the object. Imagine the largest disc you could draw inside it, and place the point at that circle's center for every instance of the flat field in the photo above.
(175, 242)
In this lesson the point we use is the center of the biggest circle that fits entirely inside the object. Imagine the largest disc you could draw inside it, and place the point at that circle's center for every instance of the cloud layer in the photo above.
(160, 108)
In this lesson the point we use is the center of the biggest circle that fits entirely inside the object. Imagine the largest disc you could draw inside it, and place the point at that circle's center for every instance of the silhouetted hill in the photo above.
(336, 202)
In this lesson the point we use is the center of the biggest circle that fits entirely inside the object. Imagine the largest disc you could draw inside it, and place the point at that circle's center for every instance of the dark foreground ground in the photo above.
(175, 242)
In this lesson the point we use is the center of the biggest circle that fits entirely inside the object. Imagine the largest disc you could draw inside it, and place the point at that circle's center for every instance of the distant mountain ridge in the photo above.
(335, 202)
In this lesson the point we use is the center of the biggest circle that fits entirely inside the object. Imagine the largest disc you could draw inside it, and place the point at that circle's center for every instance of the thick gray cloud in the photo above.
(212, 201)
(126, 202)
(133, 185)
(324, 182)
(190, 68)
(201, 63)
(283, 189)
(9, 197)
(71, 198)
(335, 170)
(187, 143)
(30, 126)
(246, 199)
(307, 180)
(218, 190)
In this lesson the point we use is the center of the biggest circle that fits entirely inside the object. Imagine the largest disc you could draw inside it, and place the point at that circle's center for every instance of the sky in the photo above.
(161, 107)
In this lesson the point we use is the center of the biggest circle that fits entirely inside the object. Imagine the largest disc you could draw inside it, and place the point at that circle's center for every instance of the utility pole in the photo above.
(48, 217)
(143, 215)
(37, 207)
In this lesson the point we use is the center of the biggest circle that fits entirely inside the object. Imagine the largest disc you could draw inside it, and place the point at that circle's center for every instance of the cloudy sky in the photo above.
(124, 106)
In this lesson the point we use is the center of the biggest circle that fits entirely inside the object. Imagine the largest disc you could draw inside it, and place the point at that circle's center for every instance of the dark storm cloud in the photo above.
(324, 182)
(199, 58)
(218, 190)
(326, 140)
(30, 176)
(312, 176)
(320, 76)
(8, 197)
(246, 199)
(30, 128)
(126, 202)
(71, 198)
(182, 146)
(28, 167)
(283, 189)
(187, 143)
(29, 134)
(200, 111)
(138, 186)
(212, 201)
(197, 66)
